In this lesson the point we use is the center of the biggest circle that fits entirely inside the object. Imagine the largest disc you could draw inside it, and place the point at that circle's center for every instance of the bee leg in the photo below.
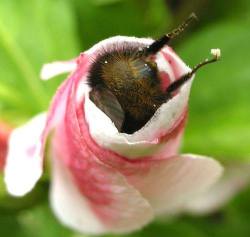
(183, 79)
(161, 42)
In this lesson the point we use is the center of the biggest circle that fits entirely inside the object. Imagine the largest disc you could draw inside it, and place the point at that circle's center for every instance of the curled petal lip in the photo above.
(105, 133)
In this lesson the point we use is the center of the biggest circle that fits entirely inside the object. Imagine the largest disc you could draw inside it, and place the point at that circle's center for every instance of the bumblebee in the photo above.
(126, 85)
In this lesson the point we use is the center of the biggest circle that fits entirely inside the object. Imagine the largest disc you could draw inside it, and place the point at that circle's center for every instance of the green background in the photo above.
(33, 32)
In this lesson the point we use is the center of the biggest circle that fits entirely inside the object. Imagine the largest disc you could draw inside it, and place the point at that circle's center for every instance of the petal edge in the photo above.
(24, 163)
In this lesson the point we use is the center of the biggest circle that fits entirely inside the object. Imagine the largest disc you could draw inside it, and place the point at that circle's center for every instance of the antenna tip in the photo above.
(216, 53)
(193, 16)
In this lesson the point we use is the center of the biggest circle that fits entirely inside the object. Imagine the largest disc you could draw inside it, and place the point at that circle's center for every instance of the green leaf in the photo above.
(31, 34)
(219, 107)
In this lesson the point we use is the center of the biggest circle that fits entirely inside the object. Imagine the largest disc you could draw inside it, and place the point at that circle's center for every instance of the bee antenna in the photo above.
(183, 79)
(161, 42)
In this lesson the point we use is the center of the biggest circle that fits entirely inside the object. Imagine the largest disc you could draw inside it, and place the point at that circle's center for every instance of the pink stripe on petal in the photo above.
(177, 65)
(59, 102)
(165, 80)
(91, 197)
(5, 131)
(68, 203)
(24, 163)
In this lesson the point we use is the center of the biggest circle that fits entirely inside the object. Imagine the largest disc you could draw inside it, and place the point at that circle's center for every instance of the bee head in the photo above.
(123, 66)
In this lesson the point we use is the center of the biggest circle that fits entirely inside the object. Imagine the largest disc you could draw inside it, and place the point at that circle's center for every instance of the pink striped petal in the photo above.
(96, 199)
(24, 163)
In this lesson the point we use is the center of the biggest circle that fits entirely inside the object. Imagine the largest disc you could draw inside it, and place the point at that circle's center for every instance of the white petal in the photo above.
(74, 210)
(24, 163)
(56, 68)
(168, 184)
(235, 178)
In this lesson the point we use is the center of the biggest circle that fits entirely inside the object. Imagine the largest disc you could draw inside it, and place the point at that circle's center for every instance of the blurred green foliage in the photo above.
(219, 112)
(33, 32)
(128, 17)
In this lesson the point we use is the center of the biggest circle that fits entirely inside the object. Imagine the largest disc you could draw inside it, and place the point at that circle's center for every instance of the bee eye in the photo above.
(148, 71)
(153, 64)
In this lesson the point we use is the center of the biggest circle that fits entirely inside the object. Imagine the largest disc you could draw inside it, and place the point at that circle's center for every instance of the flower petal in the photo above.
(56, 68)
(69, 205)
(235, 178)
(91, 197)
(168, 184)
(24, 162)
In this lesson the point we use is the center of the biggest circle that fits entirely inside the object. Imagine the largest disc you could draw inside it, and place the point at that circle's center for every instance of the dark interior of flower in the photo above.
(125, 81)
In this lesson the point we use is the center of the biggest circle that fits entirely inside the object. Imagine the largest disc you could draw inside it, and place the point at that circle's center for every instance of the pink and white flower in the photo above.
(103, 180)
